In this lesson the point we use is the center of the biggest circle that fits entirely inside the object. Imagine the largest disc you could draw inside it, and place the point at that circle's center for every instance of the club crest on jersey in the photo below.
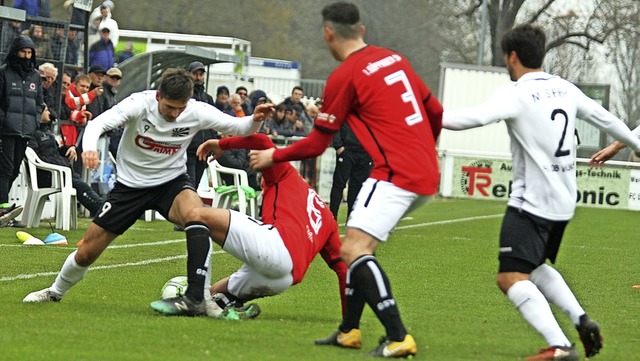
(155, 146)
(325, 117)
(180, 132)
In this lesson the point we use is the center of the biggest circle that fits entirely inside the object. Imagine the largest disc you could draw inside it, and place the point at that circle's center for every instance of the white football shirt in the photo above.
(152, 151)
(540, 111)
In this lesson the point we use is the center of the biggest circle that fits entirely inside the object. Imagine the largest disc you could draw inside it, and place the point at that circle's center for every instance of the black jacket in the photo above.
(347, 139)
(205, 134)
(46, 146)
(21, 99)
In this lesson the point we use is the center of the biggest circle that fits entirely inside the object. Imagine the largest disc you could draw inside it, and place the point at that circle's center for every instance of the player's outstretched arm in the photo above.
(603, 155)
(210, 147)
(263, 111)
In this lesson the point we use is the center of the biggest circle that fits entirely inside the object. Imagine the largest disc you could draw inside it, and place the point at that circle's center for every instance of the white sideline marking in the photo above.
(449, 221)
(159, 243)
(118, 265)
(158, 260)
(435, 223)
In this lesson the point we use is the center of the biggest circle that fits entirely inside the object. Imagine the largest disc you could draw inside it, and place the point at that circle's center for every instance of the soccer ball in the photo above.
(175, 287)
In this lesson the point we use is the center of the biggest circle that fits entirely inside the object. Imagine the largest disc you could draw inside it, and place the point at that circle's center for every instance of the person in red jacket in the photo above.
(277, 251)
(76, 99)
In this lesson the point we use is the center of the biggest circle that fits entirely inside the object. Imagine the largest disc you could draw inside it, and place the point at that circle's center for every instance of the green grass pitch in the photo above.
(441, 260)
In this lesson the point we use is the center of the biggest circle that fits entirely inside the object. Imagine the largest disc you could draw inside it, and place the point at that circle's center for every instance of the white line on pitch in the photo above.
(159, 243)
(118, 265)
(158, 260)
(435, 223)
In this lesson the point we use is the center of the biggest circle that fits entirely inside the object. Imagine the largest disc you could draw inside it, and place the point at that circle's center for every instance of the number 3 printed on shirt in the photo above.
(407, 97)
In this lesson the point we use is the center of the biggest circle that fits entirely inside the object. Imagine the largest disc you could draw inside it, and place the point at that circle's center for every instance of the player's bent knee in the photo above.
(507, 279)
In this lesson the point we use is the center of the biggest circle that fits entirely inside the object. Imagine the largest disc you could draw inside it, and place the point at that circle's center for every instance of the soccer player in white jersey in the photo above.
(158, 127)
(540, 110)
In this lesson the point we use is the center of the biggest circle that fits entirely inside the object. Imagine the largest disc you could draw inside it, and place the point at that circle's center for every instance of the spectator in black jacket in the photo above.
(196, 167)
(21, 105)
(353, 165)
(47, 149)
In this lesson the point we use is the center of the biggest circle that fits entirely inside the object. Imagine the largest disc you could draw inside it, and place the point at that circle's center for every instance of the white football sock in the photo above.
(70, 274)
(550, 282)
(535, 309)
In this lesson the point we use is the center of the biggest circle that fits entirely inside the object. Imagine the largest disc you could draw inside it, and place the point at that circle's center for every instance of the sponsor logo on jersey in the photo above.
(155, 146)
(179, 132)
(326, 117)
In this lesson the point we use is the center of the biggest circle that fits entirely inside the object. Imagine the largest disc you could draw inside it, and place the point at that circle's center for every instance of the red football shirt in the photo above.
(304, 222)
(391, 111)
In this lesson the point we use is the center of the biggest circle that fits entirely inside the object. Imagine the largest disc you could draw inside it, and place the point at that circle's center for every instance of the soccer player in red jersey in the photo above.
(277, 251)
(397, 120)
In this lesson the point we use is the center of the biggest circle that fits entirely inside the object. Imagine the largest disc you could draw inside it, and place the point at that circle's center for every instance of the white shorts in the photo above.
(379, 207)
(267, 268)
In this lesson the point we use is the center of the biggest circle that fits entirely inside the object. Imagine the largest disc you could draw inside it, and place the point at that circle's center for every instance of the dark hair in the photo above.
(344, 18)
(528, 41)
(241, 88)
(176, 84)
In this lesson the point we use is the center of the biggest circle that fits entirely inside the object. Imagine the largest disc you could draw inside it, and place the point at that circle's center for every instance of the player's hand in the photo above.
(209, 147)
(90, 159)
(597, 160)
(71, 154)
(262, 111)
(261, 159)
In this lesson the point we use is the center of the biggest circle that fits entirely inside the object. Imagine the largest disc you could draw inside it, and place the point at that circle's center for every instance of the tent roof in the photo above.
(142, 71)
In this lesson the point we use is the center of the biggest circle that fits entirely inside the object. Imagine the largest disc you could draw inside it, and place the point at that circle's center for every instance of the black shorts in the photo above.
(526, 241)
(124, 205)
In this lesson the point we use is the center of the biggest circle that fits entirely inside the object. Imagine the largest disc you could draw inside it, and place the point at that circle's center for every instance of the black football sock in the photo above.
(372, 283)
(355, 306)
(198, 258)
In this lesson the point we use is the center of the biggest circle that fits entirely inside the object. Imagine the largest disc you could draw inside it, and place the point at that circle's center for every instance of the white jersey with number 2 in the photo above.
(540, 111)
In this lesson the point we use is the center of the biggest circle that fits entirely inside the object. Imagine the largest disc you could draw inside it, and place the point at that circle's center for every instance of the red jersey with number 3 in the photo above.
(391, 111)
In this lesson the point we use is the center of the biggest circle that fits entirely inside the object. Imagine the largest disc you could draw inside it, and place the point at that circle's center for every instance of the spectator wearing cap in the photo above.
(246, 101)
(111, 83)
(107, 100)
(258, 95)
(108, 81)
(222, 97)
(196, 167)
(102, 52)
(96, 73)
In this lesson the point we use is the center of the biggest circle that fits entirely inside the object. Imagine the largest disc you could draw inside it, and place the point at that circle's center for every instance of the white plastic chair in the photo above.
(224, 199)
(61, 186)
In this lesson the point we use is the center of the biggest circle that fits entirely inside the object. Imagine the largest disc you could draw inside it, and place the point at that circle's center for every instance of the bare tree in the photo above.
(624, 50)
(581, 24)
